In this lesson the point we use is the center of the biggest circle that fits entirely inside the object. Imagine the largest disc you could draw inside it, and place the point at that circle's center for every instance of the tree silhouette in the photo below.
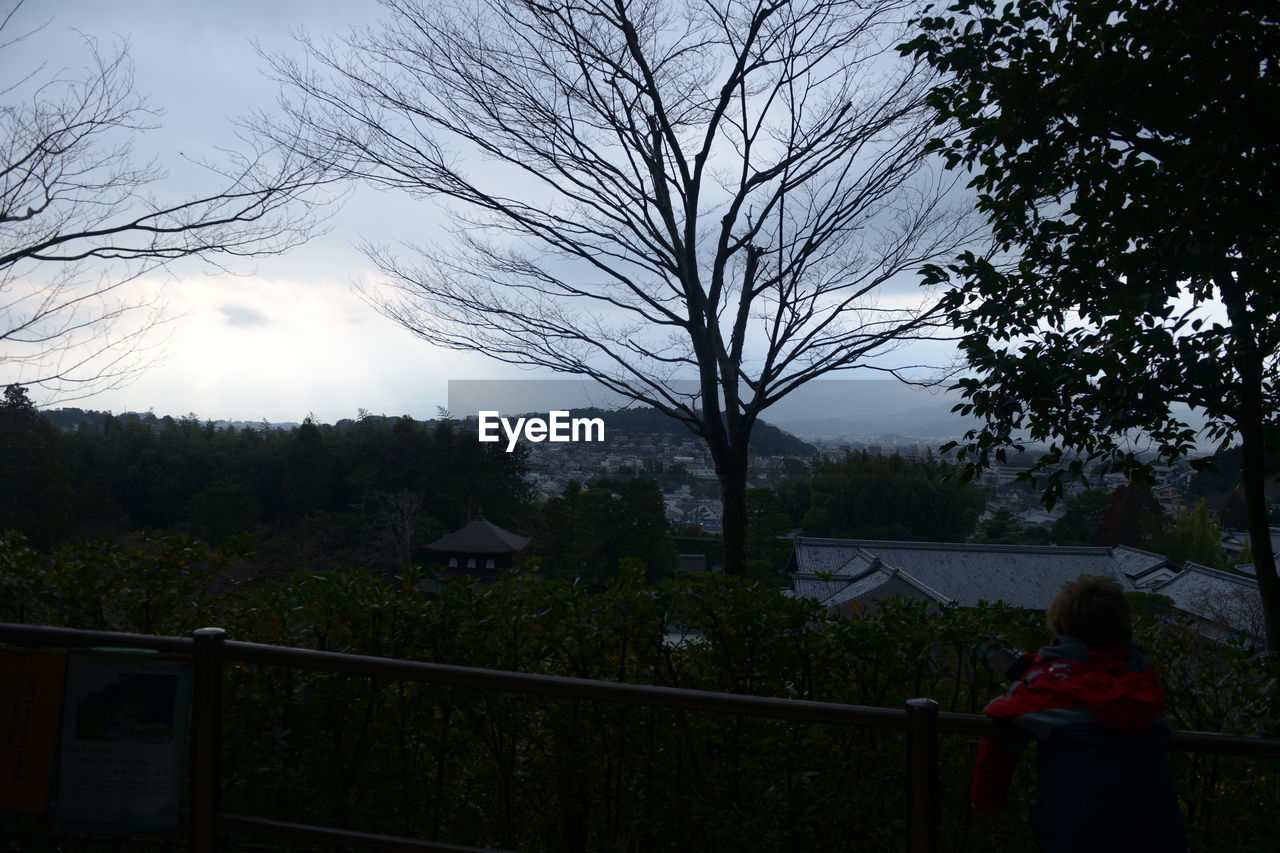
(1194, 536)
(1133, 517)
(645, 192)
(1079, 523)
(866, 496)
(35, 491)
(1118, 153)
(79, 221)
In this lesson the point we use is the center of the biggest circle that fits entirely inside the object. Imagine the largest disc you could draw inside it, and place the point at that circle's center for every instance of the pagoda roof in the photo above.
(480, 536)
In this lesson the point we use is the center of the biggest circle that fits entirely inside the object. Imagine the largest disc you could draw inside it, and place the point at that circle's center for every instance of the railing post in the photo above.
(922, 776)
(206, 738)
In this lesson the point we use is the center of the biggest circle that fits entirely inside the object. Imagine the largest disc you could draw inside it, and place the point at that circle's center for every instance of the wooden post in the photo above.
(922, 776)
(206, 738)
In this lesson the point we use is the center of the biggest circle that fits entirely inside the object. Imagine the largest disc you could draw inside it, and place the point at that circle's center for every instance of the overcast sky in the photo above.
(287, 336)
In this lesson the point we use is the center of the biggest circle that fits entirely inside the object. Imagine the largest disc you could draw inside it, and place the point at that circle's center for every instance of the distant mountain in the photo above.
(929, 421)
(766, 439)
(769, 440)
(71, 418)
(883, 419)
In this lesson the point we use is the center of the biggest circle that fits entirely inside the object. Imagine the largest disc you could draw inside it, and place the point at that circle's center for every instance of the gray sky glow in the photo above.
(288, 335)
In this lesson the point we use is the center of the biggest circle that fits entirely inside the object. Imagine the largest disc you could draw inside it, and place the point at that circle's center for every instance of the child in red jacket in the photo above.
(1094, 706)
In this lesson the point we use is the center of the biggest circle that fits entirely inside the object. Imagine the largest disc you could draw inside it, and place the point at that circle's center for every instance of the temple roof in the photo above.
(480, 536)
(836, 570)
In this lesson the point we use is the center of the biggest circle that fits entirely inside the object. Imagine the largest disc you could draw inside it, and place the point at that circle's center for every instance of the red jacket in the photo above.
(1098, 716)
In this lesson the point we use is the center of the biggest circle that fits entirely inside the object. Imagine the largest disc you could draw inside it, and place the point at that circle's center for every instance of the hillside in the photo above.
(766, 440)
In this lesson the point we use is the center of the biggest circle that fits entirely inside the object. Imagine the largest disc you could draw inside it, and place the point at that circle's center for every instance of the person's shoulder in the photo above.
(1129, 655)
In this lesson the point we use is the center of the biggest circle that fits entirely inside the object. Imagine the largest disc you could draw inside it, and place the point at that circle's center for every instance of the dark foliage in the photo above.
(314, 496)
(554, 775)
(864, 496)
(35, 488)
(1117, 152)
(588, 533)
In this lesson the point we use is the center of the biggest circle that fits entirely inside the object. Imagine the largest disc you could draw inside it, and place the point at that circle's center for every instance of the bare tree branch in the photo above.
(647, 190)
(79, 222)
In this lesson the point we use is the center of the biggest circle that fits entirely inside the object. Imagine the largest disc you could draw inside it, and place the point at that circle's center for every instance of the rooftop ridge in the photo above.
(836, 577)
(1142, 551)
(859, 554)
(1209, 571)
(886, 544)
(923, 587)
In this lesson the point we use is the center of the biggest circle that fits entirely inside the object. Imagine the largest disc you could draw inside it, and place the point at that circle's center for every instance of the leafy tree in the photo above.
(35, 489)
(645, 191)
(597, 528)
(1219, 485)
(1079, 523)
(1195, 537)
(766, 553)
(218, 512)
(1001, 528)
(863, 496)
(558, 532)
(365, 493)
(1134, 517)
(1116, 150)
(308, 478)
(150, 583)
(478, 478)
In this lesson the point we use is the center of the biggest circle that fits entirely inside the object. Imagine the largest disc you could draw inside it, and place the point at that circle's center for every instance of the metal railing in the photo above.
(210, 650)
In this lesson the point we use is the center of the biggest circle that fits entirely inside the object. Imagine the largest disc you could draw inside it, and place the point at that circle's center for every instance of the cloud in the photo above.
(238, 315)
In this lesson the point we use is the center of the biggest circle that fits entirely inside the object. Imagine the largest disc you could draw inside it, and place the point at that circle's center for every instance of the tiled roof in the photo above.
(1135, 562)
(1023, 576)
(480, 536)
(1219, 597)
(812, 586)
(823, 559)
(1251, 570)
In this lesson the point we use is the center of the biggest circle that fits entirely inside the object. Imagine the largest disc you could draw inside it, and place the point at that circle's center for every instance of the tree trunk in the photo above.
(731, 469)
(1253, 472)
(1253, 478)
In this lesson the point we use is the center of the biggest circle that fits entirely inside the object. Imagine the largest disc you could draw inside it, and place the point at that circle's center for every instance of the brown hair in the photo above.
(1092, 610)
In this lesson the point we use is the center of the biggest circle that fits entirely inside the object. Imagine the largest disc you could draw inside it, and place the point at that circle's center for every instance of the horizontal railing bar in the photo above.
(576, 688)
(46, 635)
(570, 688)
(1213, 743)
(1182, 741)
(952, 723)
(365, 840)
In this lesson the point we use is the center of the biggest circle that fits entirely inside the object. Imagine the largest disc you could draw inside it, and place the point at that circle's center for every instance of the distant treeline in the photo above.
(868, 496)
(364, 492)
(766, 440)
(371, 492)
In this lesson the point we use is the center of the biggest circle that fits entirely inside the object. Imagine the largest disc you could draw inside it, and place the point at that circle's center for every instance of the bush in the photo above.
(529, 773)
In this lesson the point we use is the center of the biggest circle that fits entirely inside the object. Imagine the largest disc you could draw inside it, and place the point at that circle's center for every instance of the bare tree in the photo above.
(1237, 612)
(394, 524)
(714, 191)
(80, 220)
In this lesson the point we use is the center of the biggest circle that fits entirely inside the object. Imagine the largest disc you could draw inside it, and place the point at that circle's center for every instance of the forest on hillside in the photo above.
(371, 492)
(308, 497)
